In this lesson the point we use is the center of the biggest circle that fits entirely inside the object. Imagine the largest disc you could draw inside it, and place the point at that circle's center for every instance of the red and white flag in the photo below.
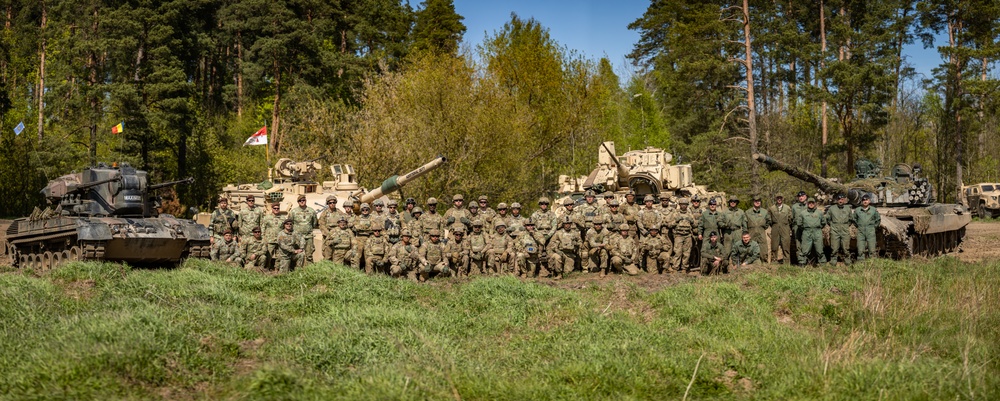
(259, 138)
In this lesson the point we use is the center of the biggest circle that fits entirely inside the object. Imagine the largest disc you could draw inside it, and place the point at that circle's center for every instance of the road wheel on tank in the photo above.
(57, 259)
(47, 261)
(75, 253)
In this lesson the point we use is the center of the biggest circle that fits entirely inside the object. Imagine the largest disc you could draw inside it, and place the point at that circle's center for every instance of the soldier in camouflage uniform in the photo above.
(598, 246)
(379, 215)
(713, 256)
(614, 217)
(304, 221)
(340, 242)
(841, 218)
(648, 216)
(696, 241)
(528, 251)
(564, 248)
(248, 218)
(222, 220)
(624, 253)
(782, 218)
(758, 220)
(271, 226)
(291, 253)
(655, 251)
(403, 257)
(606, 207)
(432, 257)
(349, 212)
(363, 225)
(407, 213)
(473, 214)
(486, 213)
(867, 220)
(746, 251)
(376, 250)
(416, 225)
(665, 207)
(798, 208)
(393, 222)
(736, 222)
(631, 211)
(329, 220)
(226, 250)
(432, 219)
(498, 250)
(457, 253)
(478, 242)
(811, 222)
(516, 221)
(589, 210)
(500, 217)
(545, 220)
(458, 217)
(253, 251)
(683, 225)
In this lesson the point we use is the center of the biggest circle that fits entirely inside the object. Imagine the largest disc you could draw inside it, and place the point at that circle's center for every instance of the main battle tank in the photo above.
(912, 223)
(103, 213)
(645, 171)
(289, 179)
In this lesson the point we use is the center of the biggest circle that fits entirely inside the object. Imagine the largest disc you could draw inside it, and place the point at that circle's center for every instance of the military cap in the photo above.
(733, 198)
(501, 205)
(590, 192)
(434, 232)
(365, 206)
(801, 193)
(756, 198)
(251, 197)
(301, 197)
(500, 224)
(840, 196)
(544, 200)
(287, 221)
(411, 200)
(811, 200)
(866, 197)
(664, 195)
(623, 227)
(477, 223)
(330, 198)
(515, 205)
(779, 197)
(393, 202)
(483, 198)
(614, 202)
(568, 202)
(683, 201)
(228, 231)
(713, 234)
(378, 202)
(457, 197)
(342, 218)
(648, 198)
(223, 200)
(255, 230)
(417, 210)
(712, 202)
(348, 203)
(432, 201)
(405, 233)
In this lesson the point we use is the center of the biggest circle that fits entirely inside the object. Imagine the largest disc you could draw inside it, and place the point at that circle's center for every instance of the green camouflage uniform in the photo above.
(758, 220)
(840, 218)
(527, 252)
(226, 251)
(457, 254)
(340, 242)
(599, 248)
(288, 259)
(498, 253)
(709, 252)
(781, 231)
(745, 253)
(564, 249)
(683, 225)
(253, 253)
(247, 219)
(327, 221)
(432, 260)
(362, 230)
(477, 252)
(270, 226)
(303, 223)
(222, 220)
(867, 220)
(811, 222)
(403, 258)
(545, 223)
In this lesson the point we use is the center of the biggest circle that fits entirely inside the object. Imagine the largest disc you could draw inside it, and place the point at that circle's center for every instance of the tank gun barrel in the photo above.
(853, 194)
(154, 187)
(81, 187)
(394, 183)
(622, 170)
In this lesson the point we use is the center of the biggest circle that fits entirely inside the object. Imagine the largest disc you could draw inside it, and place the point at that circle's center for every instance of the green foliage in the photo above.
(438, 28)
(881, 329)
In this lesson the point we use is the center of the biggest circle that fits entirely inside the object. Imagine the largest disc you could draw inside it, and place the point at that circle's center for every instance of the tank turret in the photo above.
(117, 190)
(911, 222)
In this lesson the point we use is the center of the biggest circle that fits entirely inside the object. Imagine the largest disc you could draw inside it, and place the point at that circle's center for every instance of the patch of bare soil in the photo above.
(982, 242)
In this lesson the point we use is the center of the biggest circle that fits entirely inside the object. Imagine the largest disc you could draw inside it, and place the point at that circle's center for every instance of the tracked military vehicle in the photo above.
(645, 172)
(912, 222)
(103, 213)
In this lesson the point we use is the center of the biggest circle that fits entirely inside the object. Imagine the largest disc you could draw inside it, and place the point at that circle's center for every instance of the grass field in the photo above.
(880, 330)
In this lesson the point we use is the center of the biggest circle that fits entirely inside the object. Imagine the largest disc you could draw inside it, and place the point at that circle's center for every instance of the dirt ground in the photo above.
(982, 242)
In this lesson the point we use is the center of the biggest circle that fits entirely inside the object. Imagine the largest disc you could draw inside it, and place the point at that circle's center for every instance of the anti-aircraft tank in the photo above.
(103, 213)
(289, 179)
(912, 223)
(646, 172)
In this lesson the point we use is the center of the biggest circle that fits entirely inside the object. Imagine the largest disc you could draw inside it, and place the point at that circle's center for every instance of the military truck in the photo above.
(982, 199)
(106, 212)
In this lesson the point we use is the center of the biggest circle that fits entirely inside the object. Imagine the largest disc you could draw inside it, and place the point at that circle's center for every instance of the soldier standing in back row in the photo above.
(393, 222)
(736, 222)
(696, 239)
(758, 220)
(328, 220)
(486, 214)
(304, 221)
(222, 220)
(711, 220)
(683, 225)
(782, 217)
(811, 222)
(458, 217)
(648, 216)
(867, 219)
(498, 249)
(841, 218)
(631, 211)
(249, 217)
(545, 220)
(432, 220)
(362, 228)
(798, 208)
(271, 225)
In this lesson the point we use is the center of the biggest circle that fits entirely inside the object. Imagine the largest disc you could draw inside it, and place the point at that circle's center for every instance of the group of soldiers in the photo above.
(617, 237)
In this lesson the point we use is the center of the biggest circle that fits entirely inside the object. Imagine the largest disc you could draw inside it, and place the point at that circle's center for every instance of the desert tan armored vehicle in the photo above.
(103, 213)
(912, 223)
(645, 171)
(289, 179)
(983, 199)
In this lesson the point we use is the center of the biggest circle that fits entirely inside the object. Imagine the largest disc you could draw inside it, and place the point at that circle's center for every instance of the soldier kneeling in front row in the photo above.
(713, 256)
(624, 253)
(291, 252)
(403, 257)
(253, 251)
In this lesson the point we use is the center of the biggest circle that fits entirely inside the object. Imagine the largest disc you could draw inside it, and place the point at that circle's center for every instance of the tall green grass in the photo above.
(879, 330)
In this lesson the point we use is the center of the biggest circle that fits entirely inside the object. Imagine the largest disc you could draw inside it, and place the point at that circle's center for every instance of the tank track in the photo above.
(74, 251)
(901, 246)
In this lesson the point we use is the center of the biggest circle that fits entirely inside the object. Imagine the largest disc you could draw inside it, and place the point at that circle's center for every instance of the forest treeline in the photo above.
(386, 87)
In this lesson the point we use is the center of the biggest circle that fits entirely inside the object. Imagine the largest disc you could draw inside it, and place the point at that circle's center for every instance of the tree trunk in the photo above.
(41, 75)
(751, 107)
(94, 104)
(239, 74)
(954, 28)
(824, 126)
(275, 110)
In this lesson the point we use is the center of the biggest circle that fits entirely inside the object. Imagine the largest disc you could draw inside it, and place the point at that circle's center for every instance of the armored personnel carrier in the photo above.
(912, 223)
(103, 213)
(645, 171)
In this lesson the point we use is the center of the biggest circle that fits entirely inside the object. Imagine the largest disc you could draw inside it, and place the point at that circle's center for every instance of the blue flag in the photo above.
(19, 128)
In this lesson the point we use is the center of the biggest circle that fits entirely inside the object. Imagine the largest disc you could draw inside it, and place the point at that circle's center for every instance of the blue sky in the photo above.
(598, 28)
